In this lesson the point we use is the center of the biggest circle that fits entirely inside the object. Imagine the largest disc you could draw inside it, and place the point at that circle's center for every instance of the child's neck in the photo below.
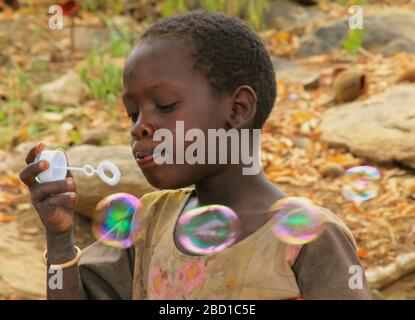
(249, 196)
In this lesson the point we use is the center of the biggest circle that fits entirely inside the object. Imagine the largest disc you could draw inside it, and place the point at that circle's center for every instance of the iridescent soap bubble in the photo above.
(296, 220)
(293, 96)
(208, 229)
(113, 220)
(361, 183)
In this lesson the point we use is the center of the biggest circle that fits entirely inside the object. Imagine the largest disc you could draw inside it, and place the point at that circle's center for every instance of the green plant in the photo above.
(214, 5)
(116, 6)
(3, 116)
(112, 100)
(251, 10)
(5, 136)
(51, 108)
(38, 66)
(121, 41)
(3, 40)
(355, 37)
(9, 110)
(255, 13)
(353, 41)
(12, 113)
(22, 83)
(93, 5)
(172, 7)
(102, 78)
(35, 129)
(75, 136)
(353, 2)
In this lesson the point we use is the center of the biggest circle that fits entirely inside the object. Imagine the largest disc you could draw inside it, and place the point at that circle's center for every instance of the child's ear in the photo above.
(242, 109)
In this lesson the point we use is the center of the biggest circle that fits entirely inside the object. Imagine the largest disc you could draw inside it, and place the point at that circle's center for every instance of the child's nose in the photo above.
(141, 130)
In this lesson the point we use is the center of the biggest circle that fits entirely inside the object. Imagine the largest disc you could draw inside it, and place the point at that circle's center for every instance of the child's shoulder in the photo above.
(335, 232)
(163, 196)
(336, 223)
(157, 203)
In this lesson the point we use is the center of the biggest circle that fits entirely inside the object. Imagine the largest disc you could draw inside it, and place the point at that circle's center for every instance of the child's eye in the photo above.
(133, 117)
(168, 107)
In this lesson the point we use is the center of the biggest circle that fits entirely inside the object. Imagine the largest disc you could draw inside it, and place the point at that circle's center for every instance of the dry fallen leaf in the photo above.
(7, 218)
(361, 253)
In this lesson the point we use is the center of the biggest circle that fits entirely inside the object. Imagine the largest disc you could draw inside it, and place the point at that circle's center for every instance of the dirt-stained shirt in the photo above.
(258, 267)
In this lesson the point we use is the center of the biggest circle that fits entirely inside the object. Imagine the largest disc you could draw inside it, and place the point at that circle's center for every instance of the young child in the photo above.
(211, 72)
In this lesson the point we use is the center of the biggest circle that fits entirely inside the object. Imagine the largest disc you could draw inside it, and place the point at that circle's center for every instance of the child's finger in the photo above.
(31, 156)
(67, 199)
(69, 174)
(28, 175)
(45, 190)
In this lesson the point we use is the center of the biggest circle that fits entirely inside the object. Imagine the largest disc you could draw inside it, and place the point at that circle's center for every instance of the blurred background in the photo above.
(346, 97)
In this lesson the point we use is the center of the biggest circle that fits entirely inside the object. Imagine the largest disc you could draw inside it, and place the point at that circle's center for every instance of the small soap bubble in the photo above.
(297, 220)
(113, 220)
(208, 229)
(293, 96)
(361, 183)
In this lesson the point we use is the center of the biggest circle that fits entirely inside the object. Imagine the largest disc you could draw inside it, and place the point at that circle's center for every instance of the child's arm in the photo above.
(107, 272)
(102, 272)
(54, 202)
(61, 249)
(323, 268)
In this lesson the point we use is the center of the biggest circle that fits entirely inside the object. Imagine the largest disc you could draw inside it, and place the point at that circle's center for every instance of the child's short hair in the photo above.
(227, 52)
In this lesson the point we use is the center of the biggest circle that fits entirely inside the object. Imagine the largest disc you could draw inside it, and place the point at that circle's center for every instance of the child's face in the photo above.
(160, 88)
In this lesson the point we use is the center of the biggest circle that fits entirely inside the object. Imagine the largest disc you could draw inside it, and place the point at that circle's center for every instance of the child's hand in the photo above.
(54, 201)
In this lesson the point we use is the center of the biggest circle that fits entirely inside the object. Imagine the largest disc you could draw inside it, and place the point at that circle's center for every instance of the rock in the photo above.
(17, 258)
(303, 143)
(291, 73)
(66, 90)
(66, 127)
(349, 85)
(331, 169)
(22, 242)
(16, 160)
(52, 116)
(286, 15)
(307, 77)
(408, 75)
(87, 37)
(121, 22)
(378, 35)
(91, 189)
(94, 136)
(312, 46)
(281, 64)
(381, 129)
(396, 46)
(381, 276)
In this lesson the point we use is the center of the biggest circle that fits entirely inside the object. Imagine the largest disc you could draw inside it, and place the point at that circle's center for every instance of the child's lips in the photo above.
(145, 162)
(141, 154)
(145, 158)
